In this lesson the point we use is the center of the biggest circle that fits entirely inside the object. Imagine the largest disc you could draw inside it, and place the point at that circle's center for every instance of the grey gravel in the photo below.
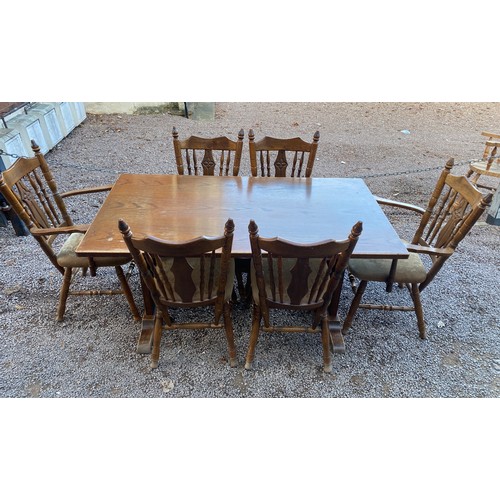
(93, 352)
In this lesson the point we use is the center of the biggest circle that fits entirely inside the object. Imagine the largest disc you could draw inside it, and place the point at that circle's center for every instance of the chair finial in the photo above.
(241, 135)
(450, 163)
(175, 133)
(34, 146)
(229, 227)
(251, 135)
(124, 228)
(316, 136)
(356, 230)
(253, 229)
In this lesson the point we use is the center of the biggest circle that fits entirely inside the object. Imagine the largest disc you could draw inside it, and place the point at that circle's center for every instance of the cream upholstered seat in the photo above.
(67, 257)
(411, 270)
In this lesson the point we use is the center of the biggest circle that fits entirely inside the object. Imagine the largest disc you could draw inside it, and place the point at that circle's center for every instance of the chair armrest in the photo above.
(438, 252)
(81, 228)
(490, 134)
(399, 204)
(97, 189)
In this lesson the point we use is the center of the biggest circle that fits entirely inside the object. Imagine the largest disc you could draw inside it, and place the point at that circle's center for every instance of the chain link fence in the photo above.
(368, 176)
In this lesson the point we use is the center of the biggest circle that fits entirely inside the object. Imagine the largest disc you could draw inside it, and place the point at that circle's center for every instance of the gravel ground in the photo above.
(93, 352)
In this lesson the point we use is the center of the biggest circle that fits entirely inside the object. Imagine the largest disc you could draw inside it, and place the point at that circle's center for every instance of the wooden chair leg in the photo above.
(241, 285)
(242, 266)
(228, 328)
(419, 311)
(354, 306)
(128, 293)
(248, 290)
(325, 338)
(63, 296)
(254, 336)
(157, 332)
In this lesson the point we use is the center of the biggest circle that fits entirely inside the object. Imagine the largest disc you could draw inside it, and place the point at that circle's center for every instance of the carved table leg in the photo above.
(145, 342)
(336, 338)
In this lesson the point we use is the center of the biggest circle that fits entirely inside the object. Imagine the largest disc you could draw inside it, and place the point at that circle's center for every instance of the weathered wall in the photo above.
(132, 107)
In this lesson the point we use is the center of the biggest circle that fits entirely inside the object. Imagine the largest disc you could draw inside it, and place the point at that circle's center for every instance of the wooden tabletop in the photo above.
(179, 208)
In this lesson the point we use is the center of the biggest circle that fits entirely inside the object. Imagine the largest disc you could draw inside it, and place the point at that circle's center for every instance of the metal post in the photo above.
(493, 216)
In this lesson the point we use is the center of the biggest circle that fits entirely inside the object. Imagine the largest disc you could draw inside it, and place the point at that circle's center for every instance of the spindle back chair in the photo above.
(208, 156)
(270, 156)
(192, 274)
(454, 207)
(30, 189)
(296, 277)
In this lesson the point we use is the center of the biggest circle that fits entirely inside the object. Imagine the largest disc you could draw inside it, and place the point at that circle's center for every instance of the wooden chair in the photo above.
(489, 165)
(296, 277)
(186, 275)
(222, 148)
(222, 164)
(454, 207)
(30, 189)
(273, 152)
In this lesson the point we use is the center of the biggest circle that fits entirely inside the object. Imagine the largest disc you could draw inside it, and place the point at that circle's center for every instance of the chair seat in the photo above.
(410, 270)
(67, 256)
(480, 168)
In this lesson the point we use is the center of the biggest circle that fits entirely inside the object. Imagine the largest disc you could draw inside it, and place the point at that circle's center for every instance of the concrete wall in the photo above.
(196, 110)
(131, 107)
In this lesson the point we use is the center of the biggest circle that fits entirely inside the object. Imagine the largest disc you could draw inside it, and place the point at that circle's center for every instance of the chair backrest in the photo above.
(299, 276)
(491, 136)
(30, 189)
(272, 152)
(490, 153)
(455, 205)
(188, 274)
(219, 155)
(491, 149)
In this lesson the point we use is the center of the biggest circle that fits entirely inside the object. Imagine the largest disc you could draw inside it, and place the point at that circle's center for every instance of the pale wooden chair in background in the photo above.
(271, 153)
(31, 191)
(489, 165)
(454, 207)
(186, 275)
(208, 156)
(296, 277)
